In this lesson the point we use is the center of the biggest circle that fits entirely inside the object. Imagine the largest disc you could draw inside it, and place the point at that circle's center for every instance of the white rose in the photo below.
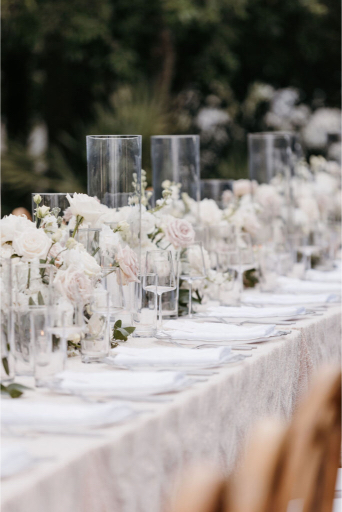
(128, 263)
(32, 244)
(37, 199)
(209, 212)
(79, 258)
(73, 284)
(243, 187)
(179, 232)
(12, 225)
(268, 197)
(87, 207)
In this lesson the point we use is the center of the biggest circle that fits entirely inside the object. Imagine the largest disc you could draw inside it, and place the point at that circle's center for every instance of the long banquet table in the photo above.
(131, 467)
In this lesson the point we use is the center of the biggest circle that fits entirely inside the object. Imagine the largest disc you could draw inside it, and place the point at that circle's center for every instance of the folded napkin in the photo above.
(118, 383)
(253, 312)
(287, 299)
(14, 459)
(42, 414)
(207, 331)
(165, 356)
(333, 276)
(289, 285)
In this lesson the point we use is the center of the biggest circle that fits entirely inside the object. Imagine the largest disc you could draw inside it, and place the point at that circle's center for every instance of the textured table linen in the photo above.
(131, 467)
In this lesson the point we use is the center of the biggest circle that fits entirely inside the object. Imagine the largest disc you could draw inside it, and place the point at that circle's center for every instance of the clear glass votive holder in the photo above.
(145, 306)
(49, 337)
(95, 340)
(229, 290)
(111, 281)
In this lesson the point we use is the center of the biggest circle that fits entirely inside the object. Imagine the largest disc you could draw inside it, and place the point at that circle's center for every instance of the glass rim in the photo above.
(115, 137)
(187, 136)
(52, 193)
(274, 135)
(217, 180)
(85, 229)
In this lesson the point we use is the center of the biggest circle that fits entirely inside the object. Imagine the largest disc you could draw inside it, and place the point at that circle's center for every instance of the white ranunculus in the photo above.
(12, 225)
(87, 207)
(73, 284)
(32, 244)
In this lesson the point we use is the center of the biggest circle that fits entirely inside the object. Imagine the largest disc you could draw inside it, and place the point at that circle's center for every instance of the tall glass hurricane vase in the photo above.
(114, 177)
(176, 158)
(272, 159)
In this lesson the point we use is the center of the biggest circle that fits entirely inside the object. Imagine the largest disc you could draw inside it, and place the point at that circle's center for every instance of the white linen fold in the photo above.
(43, 414)
(333, 276)
(14, 459)
(165, 356)
(287, 299)
(253, 312)
(291, 285)
(207, 331)
(122, 383)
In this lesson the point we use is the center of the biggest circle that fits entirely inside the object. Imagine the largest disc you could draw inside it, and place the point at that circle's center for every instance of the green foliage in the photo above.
(14, 390)
(121, 333)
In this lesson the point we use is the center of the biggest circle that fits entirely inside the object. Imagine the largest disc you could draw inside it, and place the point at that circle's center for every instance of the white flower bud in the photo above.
(57, 235)
(166, 184)
(42, 211)
(71, 243)
(37, 199)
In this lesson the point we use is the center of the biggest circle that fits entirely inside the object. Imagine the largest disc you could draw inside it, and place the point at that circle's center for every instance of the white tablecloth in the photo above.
(131, 467)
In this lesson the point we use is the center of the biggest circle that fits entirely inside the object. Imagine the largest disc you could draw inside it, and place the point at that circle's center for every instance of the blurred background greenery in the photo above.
(220, 68)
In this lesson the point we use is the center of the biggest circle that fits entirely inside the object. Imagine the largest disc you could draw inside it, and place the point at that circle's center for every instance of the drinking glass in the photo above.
(192, 268)
(160, 262)
(145, 306)
(228, 262)
(111, 281)
(52, 200)
(49, 337)
(95, 341)
(245, 256)
(176, 158)
(7, 363)
(90, 239)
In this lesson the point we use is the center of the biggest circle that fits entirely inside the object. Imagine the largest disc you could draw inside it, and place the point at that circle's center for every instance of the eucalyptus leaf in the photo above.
(40, 299)
(14, 390)
(5, 365)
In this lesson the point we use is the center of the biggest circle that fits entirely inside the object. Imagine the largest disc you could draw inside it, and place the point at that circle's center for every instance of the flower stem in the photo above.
(79, 221)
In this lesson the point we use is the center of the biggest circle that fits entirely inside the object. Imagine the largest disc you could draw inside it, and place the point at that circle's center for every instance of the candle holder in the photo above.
(114, 178)
(176, 158)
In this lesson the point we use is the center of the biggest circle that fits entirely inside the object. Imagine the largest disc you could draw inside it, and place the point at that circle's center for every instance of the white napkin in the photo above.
(122, 383)
(207, 331)
(333, 276)
(14, 459)
(289, 285)
(287, 299)
(170, 356)
(42, 414)
(253, 312)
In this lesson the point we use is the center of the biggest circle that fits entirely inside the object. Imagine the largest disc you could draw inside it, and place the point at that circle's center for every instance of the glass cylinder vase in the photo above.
(221, 191)
(176, 158)
(114, 178)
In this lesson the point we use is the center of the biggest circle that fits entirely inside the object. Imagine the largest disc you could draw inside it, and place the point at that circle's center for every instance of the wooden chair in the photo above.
(297, 464)
(202, 490)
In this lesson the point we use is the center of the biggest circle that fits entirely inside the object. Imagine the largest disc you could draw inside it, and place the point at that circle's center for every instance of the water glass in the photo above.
(95, 341)
(229, 290)
(192, 268)
(90, 239)
(145, 306)
(49, 337)
(111, 281)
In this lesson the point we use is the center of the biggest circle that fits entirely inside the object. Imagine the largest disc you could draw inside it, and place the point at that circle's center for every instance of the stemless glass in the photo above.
(192, 268)
(111, 281)
(160, 262)
(7, 363)
(229, 289)
(52, 200)
(176, 158)
(145, 306)
(95, 341)
(90, 239)
(50, 344)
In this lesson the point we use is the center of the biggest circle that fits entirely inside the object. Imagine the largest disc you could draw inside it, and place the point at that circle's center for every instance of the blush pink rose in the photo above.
(128, 263)
(243, 187)
(179, 233)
